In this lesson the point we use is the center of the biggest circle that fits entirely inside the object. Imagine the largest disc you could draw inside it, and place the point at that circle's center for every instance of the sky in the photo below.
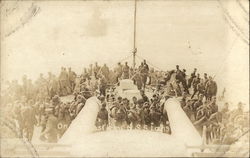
(192, 34)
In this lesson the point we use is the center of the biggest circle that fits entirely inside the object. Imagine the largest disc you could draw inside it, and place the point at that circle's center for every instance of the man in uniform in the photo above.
(178, 72)
(125, 71)
(102, 116)
(105, 71)
(197, 104)
(205, 78)
(213, 106)
(63, 80)
(119, 113)
(195, 82)
(155, 116)
(190, 80)
(102, 85)
(210, 88)
(140, 113)
(118, 71)
(72, 77)
(184, 81)
(29, 120)
(96, 70)
(144, 73)
(201, 87)
(144, 97)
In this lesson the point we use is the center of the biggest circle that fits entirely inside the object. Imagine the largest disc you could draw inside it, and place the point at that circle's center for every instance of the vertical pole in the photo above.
(134, 46)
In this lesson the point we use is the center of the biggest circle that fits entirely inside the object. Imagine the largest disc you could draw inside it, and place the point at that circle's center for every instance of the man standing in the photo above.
(210, 88)
(125, 71)
(144, 73)
(96, 70)
(118, 71)
(63, 78)
(102, 116)
(103, 86)
(190, 80)
(105, 71)
(29, 120)
(195, 82)
(184, 81)
(72, 76)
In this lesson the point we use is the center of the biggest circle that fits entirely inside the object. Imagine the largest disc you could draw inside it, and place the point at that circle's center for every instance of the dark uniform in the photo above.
(102, 118)
(125, 71)
(195, 83)
(190, 80)
(210, 89)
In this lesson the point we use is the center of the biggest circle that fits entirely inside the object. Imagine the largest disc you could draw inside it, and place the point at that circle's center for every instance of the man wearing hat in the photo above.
(125, 71)
(102, 116)
(210, 88)
(213, 106)
(144, 97)
(192, 76)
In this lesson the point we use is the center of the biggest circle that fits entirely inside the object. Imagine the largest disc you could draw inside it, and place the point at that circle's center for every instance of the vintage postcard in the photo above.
(124, 78)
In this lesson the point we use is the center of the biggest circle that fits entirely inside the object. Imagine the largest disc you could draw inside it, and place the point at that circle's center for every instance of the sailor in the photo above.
(63, 80)
(201, 87)
(140, 113)
(103, 85)
(146, 111)
(102, 116)
(29, 120)
(178, 72)
(155, 116)
(198, 104)
(118, 71)
(183, 100)
(144, 97)
(71, 77)
(210, 88)
(195, 82)
(213, 106)
(144, 73)
(205, 78)
(184, 81)
(96, 70)
(105, 71)
(119, 113)
(138, 79)
(132, 116)
(125, 71)
(177, 88)
(192, 76)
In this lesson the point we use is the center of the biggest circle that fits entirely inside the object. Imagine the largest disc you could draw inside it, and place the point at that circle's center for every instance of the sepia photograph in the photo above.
(124, 78)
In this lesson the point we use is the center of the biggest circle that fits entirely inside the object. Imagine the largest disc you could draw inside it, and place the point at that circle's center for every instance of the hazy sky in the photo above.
(66, 33)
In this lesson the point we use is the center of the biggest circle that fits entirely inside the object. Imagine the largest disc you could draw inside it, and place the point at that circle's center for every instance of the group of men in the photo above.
(39, 104)
(144, 113)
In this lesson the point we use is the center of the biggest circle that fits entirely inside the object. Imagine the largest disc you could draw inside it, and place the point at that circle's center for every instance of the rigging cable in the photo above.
(150, 63)
(242, 7)
(225, 60)
(230, 20)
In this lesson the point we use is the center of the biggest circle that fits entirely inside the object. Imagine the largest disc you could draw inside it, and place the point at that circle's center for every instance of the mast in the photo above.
(134, 45)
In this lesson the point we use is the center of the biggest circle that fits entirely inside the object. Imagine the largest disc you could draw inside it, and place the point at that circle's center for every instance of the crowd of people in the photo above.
(40, 104)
